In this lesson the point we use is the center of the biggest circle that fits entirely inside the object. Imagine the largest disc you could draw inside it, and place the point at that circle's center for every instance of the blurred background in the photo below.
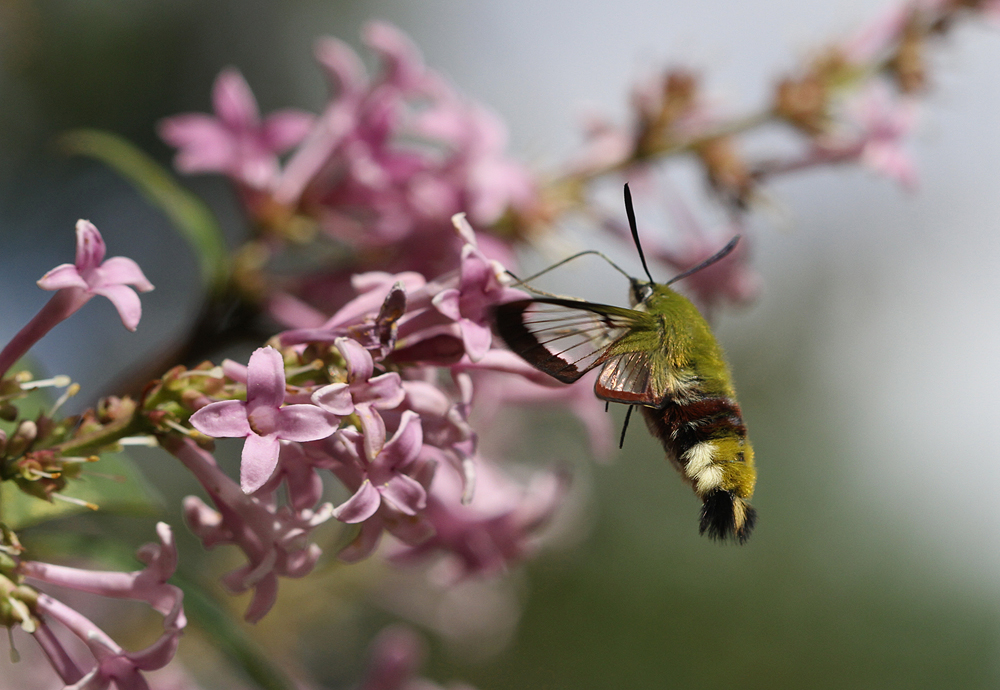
(867, 370)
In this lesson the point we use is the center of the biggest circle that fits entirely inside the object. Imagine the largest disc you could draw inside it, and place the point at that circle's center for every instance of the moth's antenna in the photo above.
(635, 232)
(718, 256)
(567, 260)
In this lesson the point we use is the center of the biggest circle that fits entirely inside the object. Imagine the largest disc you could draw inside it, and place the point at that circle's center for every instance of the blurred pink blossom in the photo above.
(356, 158)
(235, 141)
(396, 656)
(885, 123)
(497, 529)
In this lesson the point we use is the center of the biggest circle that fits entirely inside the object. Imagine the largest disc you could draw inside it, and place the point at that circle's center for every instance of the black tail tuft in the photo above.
(724, 516)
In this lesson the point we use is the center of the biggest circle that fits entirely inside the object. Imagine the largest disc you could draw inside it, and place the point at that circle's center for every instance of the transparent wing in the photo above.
(565, 338)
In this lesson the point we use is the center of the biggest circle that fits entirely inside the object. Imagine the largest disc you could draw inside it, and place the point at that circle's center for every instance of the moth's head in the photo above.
(639, 291)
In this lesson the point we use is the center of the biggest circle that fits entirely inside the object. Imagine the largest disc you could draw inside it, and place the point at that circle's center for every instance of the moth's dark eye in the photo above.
(641, 292)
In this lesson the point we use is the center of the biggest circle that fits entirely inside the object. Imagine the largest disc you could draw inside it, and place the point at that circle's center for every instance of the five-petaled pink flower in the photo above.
(262, 420)
(91, 275)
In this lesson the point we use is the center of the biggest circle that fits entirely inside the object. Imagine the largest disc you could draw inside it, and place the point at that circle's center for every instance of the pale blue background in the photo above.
(868, 369)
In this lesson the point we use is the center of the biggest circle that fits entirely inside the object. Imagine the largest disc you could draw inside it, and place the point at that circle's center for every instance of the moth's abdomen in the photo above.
(707, 441)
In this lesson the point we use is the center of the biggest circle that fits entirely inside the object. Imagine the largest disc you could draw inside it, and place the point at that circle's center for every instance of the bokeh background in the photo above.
(868, 370)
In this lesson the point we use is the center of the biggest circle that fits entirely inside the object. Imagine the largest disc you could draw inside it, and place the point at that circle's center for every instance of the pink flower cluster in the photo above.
(383, 421)
(386, 163)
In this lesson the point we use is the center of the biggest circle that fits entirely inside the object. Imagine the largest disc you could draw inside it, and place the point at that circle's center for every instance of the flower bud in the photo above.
(22, 439)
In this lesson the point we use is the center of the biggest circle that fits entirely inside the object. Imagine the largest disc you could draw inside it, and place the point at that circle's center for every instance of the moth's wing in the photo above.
(631, 377)
(565, 338)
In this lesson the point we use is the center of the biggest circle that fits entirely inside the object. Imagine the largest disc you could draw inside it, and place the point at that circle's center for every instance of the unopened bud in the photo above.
(803, 103)
(25, 435)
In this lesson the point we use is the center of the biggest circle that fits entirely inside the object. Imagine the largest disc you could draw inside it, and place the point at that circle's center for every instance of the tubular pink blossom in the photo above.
(274, 540)
(384, 477)
(499, 527)
(60, 660)
(75, 284)
(404, 146)
(112, 663)
(149, 585)
(95, 276)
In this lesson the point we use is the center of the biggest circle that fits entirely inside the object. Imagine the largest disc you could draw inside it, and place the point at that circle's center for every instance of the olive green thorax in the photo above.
(683, 337)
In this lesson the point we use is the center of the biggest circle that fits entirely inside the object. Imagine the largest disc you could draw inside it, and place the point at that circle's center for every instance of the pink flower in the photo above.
(497, 528)
(477, 178)
(885, 123)
(385, 477)
(112, 663)
(91, 275)
(75, 284)
(396, 655)
(392, 158)
(481, 286)
(235, 142)
(262, 419)
(501, 379)
(274, 539)
(388, 492)
(361, 394)
(448, 437)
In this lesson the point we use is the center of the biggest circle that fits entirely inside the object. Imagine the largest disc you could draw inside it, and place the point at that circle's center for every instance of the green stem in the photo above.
(106, 436)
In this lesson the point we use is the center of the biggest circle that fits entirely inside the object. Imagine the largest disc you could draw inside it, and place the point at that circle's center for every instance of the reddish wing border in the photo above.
(627, 378)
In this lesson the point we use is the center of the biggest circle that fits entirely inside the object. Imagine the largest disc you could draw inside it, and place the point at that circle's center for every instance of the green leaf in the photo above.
(114, 484)
(190, 216)
(203, 610)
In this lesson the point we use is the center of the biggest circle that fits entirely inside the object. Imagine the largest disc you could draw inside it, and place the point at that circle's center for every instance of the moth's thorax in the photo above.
(659, 298)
